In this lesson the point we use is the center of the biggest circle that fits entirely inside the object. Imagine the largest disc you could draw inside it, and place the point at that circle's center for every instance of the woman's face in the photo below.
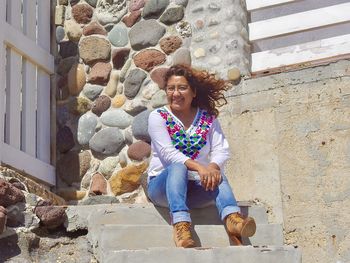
(179, 93)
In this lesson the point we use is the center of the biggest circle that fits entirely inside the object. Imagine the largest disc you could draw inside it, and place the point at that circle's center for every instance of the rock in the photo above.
(85, 182)
(65, 65)
(234, 74)
(101, 104)
(125, 69)
(91, 2)
(98, 185)
(159, 99)
(116, 118)
(9, 195)
(170, 44)
(129, 139)
(149, 58)
(63, 2)
(108, 11)
(92, 91)
(172, 15)
(112, 85)
(182, 56)
(123, 160)
(135, 106)
(93, 49)
(3, 218)
(31, 199)
(99, 199)
(181, 2)
(60, 34)
(64, 139)
(119, 57)
(82, 13)
(118, 101)
(139, 40)
(133, 82)
(108, 165)
(140, 126)
(73, 30)
(107, 141)
(158, 76)
(99, 73)
(135, 5)
(62, 115)
(184, 29)
(79, 105)
(16, 183)
(215, 61)
(15, 215)
(50, 216)
(86, 127)
(69, 194)
(132, 18)
(72, 166)
(59, 14)
(73, 2)
(68, 49)
(199, 52)
(154, 8)
(118, 36)
(127, 179)
(150, 90)
(94, 28)
(139, 151)
(62, 91)
(76, 79)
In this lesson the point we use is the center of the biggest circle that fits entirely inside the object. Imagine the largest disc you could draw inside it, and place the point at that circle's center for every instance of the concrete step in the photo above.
(106, 238)
(245, 254)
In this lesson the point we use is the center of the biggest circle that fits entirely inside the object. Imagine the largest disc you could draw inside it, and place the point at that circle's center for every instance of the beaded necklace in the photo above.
(191, 143)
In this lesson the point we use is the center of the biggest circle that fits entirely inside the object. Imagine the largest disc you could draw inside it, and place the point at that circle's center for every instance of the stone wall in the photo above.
(290, 140)
(112, 56)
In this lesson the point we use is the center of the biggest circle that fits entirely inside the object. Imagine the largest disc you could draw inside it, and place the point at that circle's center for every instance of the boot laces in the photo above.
(183, 230)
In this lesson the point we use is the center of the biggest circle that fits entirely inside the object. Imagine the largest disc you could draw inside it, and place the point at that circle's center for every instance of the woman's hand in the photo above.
(210, 177)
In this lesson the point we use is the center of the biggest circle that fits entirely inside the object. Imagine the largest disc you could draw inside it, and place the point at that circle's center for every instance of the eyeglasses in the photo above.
(180, 88)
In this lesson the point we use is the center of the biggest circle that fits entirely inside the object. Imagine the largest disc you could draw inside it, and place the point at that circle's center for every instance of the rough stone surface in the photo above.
(9, 195)
(86, 127)
(127, 179)
(69, 194)
(76, 79)
(140, 126)
(139, 151)
(118, 101)
(64, 139)
(107, 141)
(234, 74)
(101, 104)
(108, 11)
(182, 56)
(154, 8)
(135, 106)
(92, 91)
(94, 28)
(82, 13)
(112, 85)
(135, 5)
(149, 58)
(132, 18)
(98, 185)
(116, 118)
(68, 49)
(99, 199)
(133, 83)
(50, 216)
(60, 34)
(62, 91)
(79, 105)
(181, 2)
(99, 73)
(59, 14)
(159, 99)
(3, 218)
(119, 57)
(93, 49)
(172, 15)
(184, 29)
(108, 165)
(170, 44)
(73, 30)
(65, 65)
(118, 36)
(150, 90)
(139, 40)
(91, 2)
(158, 76)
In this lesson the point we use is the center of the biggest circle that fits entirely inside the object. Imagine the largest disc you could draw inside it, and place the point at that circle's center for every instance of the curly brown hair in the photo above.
(209, 90)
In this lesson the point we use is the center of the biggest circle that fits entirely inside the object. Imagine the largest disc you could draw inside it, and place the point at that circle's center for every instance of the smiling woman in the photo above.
(189, 153)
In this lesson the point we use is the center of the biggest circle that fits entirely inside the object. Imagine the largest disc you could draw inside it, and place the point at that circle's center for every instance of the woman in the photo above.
(189, 152)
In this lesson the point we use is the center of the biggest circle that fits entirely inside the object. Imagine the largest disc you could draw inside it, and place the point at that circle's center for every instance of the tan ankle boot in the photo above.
(238, 226)
(182, 235)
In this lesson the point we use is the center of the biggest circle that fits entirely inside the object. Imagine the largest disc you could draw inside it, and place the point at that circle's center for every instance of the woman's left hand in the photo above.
(211, 178)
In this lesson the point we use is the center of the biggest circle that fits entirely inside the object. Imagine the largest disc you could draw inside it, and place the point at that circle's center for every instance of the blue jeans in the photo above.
(171, 188)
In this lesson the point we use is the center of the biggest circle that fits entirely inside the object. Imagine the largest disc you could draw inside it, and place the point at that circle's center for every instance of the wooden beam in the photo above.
(303, 53)
(299, 22)
(259, 4)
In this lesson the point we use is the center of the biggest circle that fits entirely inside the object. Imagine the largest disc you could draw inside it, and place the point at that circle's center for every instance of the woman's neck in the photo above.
(186, 116)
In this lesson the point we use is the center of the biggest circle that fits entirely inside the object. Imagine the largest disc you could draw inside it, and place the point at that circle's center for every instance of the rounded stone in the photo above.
(101, 104)
(112, 85)
(170, 44)
(110, 11)
(139, 151)
(62, 91)
(158, 76)
(118, 101)
(184, 29)
(73, 30)
(135, 106)
(182, 56)
(93, 49)
(82, 13)
(149, 58)
(107, 141)
(62, 115)
(65, 65)
(116, 118)
(94, 28)
(119, 57)
(68, 49)
(181, 2)
(118, 36)
(92, 91)
(154, 8)
(60, 34)
(159, 99)
(140, 40)
(99, 73)
(125, 69)
(133, 82)
(86, 127)
(108, 165)
(136, 4)
(91, 2)
(98, 185)
(172, 15)
(199, 52)
(64, 139)
(9, 195)
(132, 18)
(76, 79)
(150, 90)
(128, 135)
(79, 105)
(140, 126)
(234, 74)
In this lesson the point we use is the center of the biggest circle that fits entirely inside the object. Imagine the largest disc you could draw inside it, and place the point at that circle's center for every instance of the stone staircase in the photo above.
(142, 233)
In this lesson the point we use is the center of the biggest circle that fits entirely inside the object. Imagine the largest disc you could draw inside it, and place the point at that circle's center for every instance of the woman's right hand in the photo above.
(210, 177)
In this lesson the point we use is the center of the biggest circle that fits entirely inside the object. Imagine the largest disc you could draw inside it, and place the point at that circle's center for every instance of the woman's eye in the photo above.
(182, 88)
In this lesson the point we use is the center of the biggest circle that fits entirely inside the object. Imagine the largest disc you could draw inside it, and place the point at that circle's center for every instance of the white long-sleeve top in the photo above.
(164, 153)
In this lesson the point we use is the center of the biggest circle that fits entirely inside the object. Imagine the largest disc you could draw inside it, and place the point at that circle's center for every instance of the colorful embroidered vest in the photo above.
(189, 144)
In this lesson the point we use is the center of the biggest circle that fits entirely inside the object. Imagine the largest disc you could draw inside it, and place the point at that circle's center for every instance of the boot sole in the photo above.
(249, 228)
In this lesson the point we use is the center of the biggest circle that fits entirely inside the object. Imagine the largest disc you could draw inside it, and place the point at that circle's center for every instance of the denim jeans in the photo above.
(171, 188)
